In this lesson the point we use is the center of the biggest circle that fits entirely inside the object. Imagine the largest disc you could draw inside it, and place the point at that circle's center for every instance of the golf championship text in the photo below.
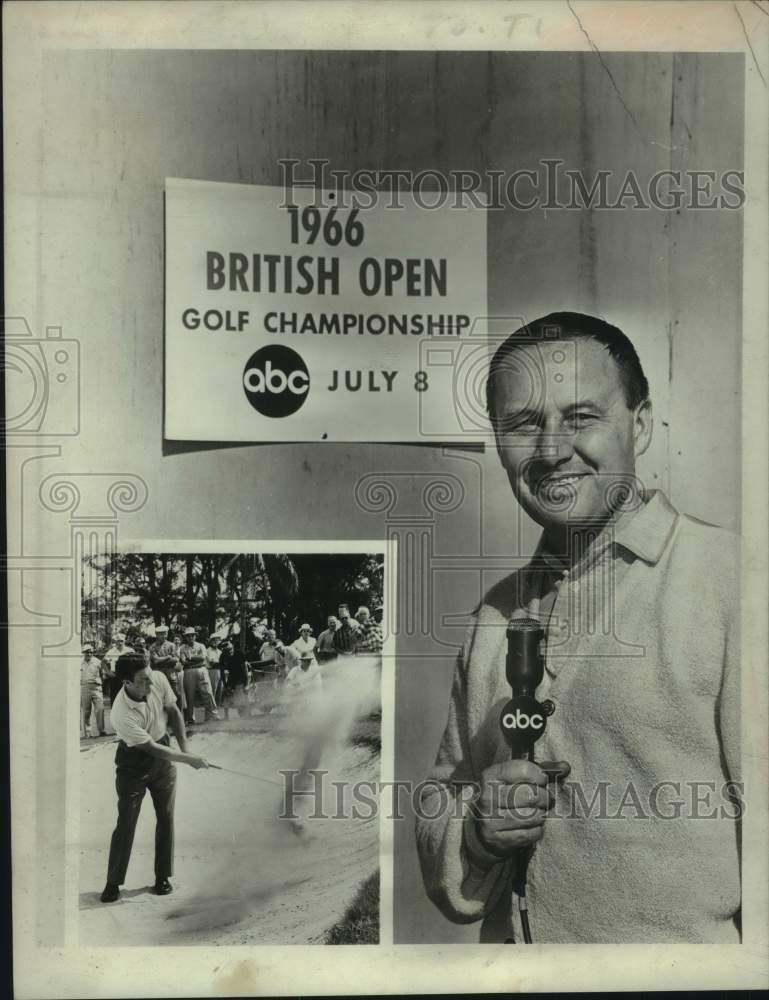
(274, 312)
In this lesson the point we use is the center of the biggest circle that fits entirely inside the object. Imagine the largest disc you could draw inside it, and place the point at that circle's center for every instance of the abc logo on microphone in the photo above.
(276, 381)
(523, 720)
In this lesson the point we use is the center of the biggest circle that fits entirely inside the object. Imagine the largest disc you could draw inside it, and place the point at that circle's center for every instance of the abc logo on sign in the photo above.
(276, 381)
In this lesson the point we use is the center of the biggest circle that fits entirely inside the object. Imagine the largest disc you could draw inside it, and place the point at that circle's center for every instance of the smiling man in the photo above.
(639, 605)
(568, 434)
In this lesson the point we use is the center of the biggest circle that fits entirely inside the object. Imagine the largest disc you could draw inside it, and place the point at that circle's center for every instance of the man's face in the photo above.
(331, 622)
(189, 639)
(362, 617)
(565, 433)
(272, 635)
(87, 655)
(344, 614)
(139, 687)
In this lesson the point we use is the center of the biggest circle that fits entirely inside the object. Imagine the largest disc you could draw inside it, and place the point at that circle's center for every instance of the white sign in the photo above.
(286, 321)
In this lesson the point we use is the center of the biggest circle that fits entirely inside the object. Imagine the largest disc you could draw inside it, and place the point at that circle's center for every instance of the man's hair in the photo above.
(128, 665)
(575, 326)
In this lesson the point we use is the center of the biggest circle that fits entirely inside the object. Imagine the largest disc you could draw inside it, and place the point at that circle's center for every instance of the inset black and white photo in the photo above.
(230, 720)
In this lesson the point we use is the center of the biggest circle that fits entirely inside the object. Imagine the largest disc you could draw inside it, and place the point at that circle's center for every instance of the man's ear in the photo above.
(643, 426)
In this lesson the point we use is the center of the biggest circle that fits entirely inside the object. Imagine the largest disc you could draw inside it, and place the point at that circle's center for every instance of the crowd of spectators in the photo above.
(219, 670)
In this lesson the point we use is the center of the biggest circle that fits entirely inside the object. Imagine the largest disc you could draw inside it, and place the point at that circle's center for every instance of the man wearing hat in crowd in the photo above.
(303, 681)
(113, 654)
(370, 639)
(305, 644)
(90, 692)
(192, 657)
(163, 658)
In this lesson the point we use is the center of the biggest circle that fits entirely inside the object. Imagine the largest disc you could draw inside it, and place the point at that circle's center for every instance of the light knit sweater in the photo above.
(642, 664)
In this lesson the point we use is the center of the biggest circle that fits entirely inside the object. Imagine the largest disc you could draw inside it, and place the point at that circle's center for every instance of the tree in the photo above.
(203, 589)
(261, 582)
(327, 580)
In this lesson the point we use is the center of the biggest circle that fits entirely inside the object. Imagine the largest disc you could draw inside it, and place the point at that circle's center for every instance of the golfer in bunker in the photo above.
(143, 710)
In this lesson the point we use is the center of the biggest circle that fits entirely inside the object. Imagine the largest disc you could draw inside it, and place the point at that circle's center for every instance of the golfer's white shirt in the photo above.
(137, 722)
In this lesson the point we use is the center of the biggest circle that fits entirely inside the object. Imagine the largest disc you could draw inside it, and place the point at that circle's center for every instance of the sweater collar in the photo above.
(644, 532)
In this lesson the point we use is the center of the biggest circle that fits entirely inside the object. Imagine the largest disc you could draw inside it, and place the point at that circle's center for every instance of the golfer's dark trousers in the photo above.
(136, 772)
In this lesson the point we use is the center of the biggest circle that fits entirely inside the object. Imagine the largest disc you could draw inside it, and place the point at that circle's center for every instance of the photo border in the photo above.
(77, 971)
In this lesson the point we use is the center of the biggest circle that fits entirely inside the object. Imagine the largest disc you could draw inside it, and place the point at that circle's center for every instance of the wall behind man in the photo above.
(115, 124)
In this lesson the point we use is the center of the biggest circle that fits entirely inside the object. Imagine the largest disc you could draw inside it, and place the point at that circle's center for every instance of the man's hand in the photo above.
(513, 804)
(197, 762)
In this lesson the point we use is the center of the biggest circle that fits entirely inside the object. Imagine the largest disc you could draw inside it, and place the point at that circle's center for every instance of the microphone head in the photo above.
(525, 625)
(524, 664)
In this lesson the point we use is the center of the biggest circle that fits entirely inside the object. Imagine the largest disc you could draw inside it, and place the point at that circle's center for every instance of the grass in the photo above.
(360, 924)
(367, 732)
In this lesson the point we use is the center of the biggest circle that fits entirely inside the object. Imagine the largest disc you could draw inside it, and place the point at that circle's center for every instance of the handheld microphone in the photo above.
(523, 719)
